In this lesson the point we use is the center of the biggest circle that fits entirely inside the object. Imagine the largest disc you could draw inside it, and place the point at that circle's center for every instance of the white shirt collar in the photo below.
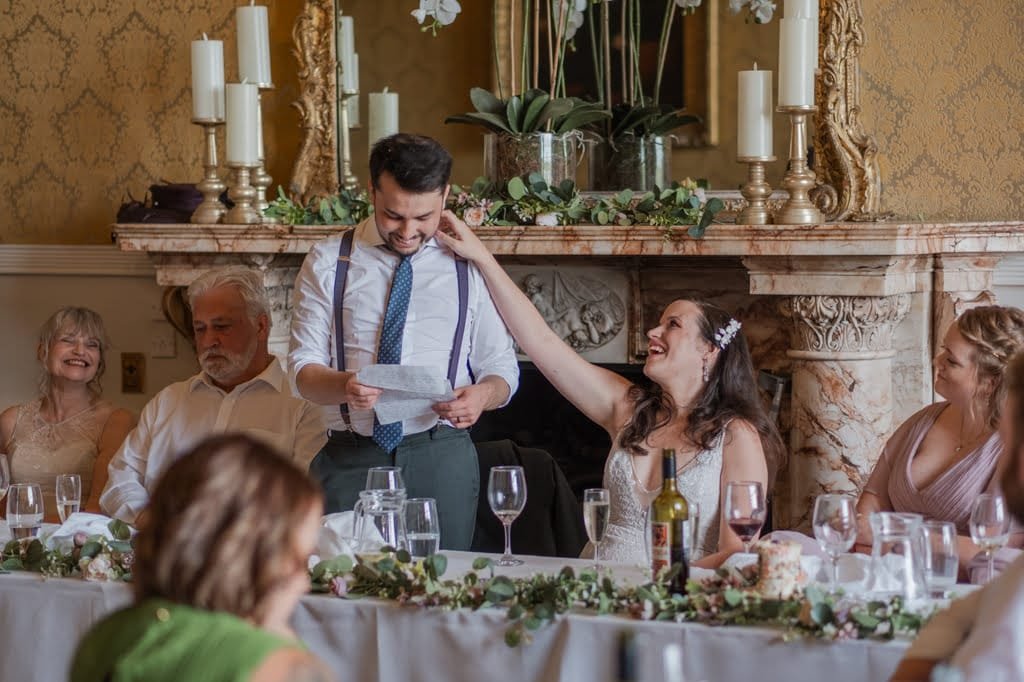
(272, 376)
(368, 235)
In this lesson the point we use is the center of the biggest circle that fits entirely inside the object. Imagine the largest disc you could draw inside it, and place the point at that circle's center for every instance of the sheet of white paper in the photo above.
(409, 390)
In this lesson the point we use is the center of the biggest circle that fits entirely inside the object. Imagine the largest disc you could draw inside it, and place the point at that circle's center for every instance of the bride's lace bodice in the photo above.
(698, 481)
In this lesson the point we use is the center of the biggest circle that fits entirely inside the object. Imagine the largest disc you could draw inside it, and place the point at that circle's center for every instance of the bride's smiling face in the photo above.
(676, 346)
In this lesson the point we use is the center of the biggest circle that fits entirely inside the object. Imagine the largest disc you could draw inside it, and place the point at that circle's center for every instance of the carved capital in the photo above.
(845, 327)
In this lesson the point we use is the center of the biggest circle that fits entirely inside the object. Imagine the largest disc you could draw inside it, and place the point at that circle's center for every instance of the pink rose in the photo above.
(98, 569)
(474, 216)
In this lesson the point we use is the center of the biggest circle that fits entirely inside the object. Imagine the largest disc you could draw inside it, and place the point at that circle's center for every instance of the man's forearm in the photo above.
(322, 385)
(499, 391)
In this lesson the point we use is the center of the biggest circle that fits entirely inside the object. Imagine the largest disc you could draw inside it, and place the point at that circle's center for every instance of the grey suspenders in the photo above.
(340, 276)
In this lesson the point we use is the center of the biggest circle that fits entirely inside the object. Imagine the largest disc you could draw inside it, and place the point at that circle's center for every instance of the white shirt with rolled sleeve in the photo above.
(487, 346)
(981, 634)
(184, 413)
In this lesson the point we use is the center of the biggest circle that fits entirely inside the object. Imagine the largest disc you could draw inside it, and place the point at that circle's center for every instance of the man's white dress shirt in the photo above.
(981, 634)
(430, 323)
(184, 413)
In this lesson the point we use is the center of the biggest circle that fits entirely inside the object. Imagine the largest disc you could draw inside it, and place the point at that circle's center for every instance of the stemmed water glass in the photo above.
(835, 527)
(384, 478)
(506, 492)
(68, 493)
(745, 509)
(990, 526)
(596, 508)
(24, 510)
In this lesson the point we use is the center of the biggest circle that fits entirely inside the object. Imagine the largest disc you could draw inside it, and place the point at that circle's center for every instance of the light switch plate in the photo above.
(133, 372)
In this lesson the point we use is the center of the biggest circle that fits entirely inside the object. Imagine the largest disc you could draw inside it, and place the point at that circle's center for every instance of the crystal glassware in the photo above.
(745, 509)
(835, 527)
(990, 526)
(68, 494)
(24, 510)
(506, 493)
(941, 556)
(596, 508)
(422, 527)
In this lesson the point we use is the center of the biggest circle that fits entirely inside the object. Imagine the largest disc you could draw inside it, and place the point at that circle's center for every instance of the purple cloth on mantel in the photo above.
(950, 496)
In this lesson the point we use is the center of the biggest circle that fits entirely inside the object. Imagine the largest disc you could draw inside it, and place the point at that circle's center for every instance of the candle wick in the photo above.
(755, 66)
(385, 89)
(204, 35)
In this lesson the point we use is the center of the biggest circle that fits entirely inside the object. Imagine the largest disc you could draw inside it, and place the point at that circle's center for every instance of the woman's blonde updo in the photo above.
(218, 532)
(996, 334)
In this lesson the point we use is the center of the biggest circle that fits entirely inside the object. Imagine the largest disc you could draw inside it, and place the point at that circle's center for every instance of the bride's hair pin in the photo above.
(725, 335)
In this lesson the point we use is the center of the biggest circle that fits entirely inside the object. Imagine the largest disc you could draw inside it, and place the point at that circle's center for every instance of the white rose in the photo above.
(98, 569)
(547, 219)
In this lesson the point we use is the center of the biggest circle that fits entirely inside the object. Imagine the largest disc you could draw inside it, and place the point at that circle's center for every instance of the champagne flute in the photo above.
(506, 492)
(745, 509)
(990, 526)
(596, 508)
(24, 510)
(68, 495)
(835, 527)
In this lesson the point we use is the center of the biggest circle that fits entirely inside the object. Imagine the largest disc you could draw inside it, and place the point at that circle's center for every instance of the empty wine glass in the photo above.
(68, 495)
(422, 527)
(24, 510)
(941, 556)
(835, 527)
(744, 509)
(595, 518)
(990, 526)
(506, 492)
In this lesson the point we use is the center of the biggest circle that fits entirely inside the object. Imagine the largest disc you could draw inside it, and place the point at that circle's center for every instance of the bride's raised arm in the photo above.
(600, 394)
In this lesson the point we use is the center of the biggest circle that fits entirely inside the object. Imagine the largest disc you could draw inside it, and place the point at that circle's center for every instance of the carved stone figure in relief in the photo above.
(584, 312)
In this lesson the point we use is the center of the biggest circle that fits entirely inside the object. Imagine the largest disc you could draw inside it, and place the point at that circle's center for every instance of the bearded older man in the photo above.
(241, 387)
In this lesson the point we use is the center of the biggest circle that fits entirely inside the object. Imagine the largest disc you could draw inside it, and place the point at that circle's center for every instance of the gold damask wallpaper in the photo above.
(943, 92)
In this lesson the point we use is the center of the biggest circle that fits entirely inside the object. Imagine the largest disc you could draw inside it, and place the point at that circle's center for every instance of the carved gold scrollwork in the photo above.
(846, 157)
(316, 168)
(847, 324)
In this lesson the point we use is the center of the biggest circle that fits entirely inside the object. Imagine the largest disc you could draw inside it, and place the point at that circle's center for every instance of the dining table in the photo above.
(368, 639)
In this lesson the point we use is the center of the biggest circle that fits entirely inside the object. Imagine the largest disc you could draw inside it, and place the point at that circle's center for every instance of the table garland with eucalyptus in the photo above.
(725, 598)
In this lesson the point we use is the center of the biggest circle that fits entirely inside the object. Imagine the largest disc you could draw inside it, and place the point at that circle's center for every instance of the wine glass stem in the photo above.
(508, 539)
(597, 556)
(991, 556)
(835, 573)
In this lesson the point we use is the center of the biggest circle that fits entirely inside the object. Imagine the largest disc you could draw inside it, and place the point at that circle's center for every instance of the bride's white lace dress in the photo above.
(698, 481)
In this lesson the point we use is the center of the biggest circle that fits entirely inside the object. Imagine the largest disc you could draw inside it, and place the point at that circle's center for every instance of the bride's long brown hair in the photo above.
(729, 393)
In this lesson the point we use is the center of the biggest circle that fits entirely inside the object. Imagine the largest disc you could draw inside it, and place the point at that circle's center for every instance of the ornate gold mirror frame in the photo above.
(846, 157)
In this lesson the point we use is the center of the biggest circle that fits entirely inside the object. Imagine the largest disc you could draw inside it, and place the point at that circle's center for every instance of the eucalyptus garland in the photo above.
(727, 598)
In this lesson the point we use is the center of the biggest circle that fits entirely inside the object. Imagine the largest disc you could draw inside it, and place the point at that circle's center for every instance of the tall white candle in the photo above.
(796, 61)
(347, 54)
(253, 44)
(808, 9)
(353, 102)
(754, 133)
(382, 117)
(242, 123)
(208, 79)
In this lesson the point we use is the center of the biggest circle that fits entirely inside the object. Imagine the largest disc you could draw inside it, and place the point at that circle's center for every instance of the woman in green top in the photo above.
(220, 563)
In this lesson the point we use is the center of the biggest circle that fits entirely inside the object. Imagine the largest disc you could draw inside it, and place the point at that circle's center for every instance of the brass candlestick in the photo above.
(261, 180)
(756, 191)
(799, 179)
(348, 179)
(244, 196)
(211, 210)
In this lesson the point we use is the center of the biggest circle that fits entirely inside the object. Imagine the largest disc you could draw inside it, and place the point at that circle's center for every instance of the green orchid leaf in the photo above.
(552, 111)
(496, 123)
(485, 101)
(513, 113)
(534, 107)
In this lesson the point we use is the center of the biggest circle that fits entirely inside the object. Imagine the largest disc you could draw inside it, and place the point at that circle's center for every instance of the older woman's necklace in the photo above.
(961, 441)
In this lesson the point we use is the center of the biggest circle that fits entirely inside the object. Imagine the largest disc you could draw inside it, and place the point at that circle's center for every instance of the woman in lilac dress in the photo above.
(938, 461)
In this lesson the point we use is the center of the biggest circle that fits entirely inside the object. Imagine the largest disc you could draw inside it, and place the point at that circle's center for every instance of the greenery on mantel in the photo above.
(530, 200)
(727, 598)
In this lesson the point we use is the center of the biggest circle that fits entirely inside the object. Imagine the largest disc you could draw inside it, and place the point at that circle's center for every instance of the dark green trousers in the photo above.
(440, 463)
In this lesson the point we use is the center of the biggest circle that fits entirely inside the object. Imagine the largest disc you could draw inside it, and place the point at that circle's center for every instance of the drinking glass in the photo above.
(422, 527)
(990, 526)
(24, 510)
(596, 508)
(384, 478)
(5, 475)
(68, 495)
(835, 527)
(941, 557)
(745, 509)
(506, 492)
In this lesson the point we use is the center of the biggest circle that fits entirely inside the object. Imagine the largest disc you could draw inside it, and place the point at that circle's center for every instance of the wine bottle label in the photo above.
(661, 540)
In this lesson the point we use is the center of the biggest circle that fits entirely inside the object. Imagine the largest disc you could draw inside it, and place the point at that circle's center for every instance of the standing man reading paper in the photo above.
(386, 292)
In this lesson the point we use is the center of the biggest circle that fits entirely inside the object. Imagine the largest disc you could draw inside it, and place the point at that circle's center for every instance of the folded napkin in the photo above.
(63, 537)
(337, 535)
(977, 567)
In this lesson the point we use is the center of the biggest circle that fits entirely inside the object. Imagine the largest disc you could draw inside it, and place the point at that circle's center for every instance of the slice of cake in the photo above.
(779, 572)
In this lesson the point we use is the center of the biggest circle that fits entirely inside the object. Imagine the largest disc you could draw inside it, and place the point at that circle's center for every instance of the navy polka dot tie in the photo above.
(389, 351)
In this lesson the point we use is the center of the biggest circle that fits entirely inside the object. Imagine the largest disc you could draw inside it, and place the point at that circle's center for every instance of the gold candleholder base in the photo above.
(244, 196)
(348, 178)
(211, 210)
(756, 191)
(799, 179)
(261, 180)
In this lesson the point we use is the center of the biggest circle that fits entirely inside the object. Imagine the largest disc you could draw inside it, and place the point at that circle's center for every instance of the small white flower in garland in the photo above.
(725, 335)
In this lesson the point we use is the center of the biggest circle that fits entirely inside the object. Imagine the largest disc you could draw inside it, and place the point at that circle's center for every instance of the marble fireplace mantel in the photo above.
(859, 307)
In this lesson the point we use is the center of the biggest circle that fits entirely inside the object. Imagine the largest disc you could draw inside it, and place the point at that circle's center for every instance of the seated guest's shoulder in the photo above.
(7, 419)
(291, 664)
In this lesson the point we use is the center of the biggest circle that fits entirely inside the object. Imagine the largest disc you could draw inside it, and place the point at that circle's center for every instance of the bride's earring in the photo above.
(704, 370)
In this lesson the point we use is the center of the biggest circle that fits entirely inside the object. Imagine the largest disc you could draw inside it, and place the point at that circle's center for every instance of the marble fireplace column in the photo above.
(842, 402)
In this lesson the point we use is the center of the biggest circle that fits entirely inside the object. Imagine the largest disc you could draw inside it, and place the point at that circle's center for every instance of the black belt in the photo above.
(356, 437)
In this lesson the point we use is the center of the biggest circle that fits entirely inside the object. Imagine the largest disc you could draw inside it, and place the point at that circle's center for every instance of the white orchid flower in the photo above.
(762, 10)
(575, 16)
(443, 11)
(688, 4)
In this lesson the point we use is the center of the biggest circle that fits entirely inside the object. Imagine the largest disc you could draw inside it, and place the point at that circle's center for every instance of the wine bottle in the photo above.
(669, 513)
(628, 658)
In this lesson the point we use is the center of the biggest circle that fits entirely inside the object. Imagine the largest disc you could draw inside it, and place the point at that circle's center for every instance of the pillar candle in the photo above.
(382, 117)
(807, 9)
(208, 79)
(754, 133)
(242, 123)
(253, 44)
(353, 102)
(796, 61)
(347, 54)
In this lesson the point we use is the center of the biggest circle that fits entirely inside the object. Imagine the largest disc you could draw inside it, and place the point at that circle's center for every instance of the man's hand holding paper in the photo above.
(407, 391)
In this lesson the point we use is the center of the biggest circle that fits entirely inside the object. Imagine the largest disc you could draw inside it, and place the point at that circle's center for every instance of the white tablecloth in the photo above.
(42, 621)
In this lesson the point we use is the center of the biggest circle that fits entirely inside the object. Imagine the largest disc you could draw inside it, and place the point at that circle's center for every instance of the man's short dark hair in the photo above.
(417, 163)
